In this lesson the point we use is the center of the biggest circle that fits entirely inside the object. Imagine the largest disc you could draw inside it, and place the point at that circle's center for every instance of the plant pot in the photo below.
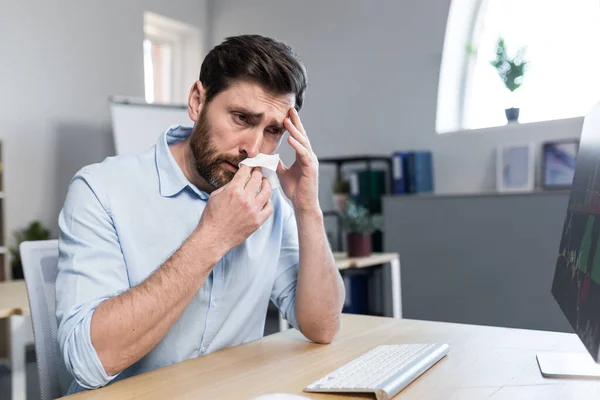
(512, 114)
(339, 201)
(358, 244)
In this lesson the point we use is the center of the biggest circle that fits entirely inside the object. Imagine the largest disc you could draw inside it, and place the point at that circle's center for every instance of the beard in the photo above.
(207, 160)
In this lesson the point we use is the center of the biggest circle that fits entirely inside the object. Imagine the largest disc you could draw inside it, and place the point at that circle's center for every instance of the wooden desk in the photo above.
(13, 298)
(483, 363)
(343, 262)
(14, 306)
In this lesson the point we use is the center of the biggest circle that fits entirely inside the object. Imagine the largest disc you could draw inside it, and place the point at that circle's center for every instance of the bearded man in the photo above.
(175, 252)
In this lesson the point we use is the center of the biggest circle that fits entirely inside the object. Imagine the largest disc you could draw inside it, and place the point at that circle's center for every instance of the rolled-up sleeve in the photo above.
(283, 294)
(91, 269)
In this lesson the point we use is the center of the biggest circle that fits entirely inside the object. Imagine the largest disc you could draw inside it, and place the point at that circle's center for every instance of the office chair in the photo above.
(40, 267)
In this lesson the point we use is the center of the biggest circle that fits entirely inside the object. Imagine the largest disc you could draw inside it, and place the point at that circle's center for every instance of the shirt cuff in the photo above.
(86, 367)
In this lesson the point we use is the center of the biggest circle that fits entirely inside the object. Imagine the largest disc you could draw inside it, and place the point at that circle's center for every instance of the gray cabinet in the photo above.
(478, 259)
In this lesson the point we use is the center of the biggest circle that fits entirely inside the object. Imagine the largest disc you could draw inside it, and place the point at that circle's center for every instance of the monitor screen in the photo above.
(576, 284)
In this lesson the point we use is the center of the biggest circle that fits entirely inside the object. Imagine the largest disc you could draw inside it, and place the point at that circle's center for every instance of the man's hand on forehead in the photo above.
(300, 181)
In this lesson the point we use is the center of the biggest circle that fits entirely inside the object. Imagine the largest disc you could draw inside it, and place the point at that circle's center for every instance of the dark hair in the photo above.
(270, 63)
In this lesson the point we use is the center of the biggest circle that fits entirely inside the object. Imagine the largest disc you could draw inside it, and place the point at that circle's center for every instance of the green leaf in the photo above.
(356, 218)
(34, 231)
(510, 70)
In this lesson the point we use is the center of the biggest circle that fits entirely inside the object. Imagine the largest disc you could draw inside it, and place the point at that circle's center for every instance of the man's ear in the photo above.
(196, 100)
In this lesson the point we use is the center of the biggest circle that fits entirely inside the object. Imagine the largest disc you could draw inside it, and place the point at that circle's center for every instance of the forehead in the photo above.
(254, 97)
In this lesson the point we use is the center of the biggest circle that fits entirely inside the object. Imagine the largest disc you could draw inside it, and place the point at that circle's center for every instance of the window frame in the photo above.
(473, 35)
(454, 74)
(186, 51)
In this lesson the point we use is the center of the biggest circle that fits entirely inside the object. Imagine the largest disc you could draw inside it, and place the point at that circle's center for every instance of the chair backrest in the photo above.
(40, 268)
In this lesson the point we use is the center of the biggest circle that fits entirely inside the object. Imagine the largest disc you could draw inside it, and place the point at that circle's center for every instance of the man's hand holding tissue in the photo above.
(237, 209)
(300, 182)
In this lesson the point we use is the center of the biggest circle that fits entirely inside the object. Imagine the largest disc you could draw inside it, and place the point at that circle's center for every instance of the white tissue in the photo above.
(268, 164)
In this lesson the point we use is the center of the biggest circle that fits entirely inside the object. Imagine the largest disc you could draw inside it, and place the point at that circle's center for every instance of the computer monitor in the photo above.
(576, 283)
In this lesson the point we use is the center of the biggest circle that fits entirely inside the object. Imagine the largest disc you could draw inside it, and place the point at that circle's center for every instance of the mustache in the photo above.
(230, 159)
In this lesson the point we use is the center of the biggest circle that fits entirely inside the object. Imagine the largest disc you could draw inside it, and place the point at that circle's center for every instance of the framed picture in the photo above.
(515, 168)
(558, 163)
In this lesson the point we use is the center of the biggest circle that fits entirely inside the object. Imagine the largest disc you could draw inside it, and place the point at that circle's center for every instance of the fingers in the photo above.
(295, 117)
(241, 176)
(266, 212)
(296, 134)
(253, 184)
(265, 193)
(303, 152)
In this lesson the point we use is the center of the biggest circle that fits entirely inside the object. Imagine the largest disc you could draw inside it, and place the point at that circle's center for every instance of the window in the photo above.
(157, 71)
(172, 52)
(561, 81)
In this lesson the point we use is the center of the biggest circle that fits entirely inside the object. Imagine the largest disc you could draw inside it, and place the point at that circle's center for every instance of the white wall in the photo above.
(373, 71)
(373, 74)
(60, 60)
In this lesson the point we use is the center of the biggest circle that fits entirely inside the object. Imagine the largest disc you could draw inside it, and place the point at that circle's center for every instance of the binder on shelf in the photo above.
(399, 160)
(421, 172)
(367, 188)
(413, 172)
(371, 185)
(354, 194)
(357, 297)
(375, 289)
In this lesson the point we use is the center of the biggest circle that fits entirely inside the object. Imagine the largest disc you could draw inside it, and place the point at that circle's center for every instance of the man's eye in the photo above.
(275, 131)
(240, 117)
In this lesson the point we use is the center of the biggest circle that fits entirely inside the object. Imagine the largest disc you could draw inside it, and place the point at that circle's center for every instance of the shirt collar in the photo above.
(170, 177)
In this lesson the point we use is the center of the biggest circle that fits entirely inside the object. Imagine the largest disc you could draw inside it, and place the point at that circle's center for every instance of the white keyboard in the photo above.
(384, 370)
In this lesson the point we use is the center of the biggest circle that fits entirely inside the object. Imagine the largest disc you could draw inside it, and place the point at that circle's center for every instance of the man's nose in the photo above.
(253, 143)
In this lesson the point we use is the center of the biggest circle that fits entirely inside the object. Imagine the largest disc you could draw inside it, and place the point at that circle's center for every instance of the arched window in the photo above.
(561, 39)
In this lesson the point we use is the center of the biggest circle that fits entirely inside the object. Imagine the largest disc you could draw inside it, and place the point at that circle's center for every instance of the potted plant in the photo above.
(341, 191)
(359, 226)
(34, 231)
(511, 71)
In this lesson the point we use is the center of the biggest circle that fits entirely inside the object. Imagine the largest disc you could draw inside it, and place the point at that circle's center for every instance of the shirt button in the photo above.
(203, 350)
(213, 304)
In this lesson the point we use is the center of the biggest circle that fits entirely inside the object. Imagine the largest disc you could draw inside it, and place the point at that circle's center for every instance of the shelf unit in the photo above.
(368, 161)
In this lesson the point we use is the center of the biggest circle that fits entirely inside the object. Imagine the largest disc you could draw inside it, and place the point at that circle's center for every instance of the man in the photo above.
(175, 253)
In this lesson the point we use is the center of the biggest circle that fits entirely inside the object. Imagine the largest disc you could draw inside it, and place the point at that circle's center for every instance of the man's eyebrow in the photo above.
(246, 111)
(254, 115)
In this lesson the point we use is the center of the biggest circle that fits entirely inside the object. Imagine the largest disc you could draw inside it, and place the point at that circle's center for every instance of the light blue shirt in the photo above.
(121, 220)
